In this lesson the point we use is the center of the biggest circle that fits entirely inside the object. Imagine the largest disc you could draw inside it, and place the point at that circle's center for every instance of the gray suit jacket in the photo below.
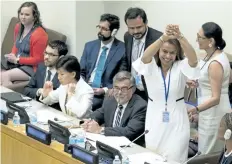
(133, 119)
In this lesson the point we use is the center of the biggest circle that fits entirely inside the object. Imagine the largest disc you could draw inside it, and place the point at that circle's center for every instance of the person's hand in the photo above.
(47, 88)
(175, 31)
(110, 92)
(85, 124)
(71, 89)
(192, 83)
(98, 91)
(93, 127)
(191, 113)
(11, 58)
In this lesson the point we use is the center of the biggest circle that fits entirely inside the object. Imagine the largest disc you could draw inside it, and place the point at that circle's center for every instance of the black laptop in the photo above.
(14, 97)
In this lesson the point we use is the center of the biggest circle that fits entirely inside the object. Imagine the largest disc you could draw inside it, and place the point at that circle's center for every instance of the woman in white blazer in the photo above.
(74, 94)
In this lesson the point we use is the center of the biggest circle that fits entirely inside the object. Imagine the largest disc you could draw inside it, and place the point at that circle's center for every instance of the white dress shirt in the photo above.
(116, 112)
(135, 57)
(53, 72)
(109, 45)
(79, 105)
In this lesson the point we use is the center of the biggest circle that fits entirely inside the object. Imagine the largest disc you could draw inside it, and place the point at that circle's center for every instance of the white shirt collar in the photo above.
(107, 45)
(52, 69)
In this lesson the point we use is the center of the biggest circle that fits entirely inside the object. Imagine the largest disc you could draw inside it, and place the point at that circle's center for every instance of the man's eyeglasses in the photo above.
(50, 54)
(102, 28)
(123, 89)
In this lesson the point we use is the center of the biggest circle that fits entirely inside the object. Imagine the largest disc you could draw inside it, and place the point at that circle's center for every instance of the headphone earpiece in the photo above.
(227, 134)
(114, 32)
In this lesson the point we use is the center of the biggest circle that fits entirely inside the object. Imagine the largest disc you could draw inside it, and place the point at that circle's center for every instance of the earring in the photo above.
(210, 45)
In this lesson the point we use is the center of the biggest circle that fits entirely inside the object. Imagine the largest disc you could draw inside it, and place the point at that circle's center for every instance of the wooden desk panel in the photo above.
(18, 148)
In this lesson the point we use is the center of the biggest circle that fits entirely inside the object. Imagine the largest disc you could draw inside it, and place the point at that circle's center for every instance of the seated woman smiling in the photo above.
(74, 94)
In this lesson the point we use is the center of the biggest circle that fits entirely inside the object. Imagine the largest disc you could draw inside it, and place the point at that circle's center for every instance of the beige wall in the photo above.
(190, 15)
(77, 19)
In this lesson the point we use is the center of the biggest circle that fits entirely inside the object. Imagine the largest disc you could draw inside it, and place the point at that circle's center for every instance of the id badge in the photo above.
(166, 116)
(137, 80)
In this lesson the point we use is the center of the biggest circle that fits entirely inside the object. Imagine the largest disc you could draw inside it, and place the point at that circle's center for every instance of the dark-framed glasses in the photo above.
(200, 37)
(50, 54)
(102, 28)
(123, 89)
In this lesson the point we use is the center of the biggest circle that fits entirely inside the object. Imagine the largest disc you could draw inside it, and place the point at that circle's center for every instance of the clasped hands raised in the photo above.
(171, 32)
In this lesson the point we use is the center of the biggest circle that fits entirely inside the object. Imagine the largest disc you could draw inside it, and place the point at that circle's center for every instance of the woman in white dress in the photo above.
(213, 99)
(167, 119)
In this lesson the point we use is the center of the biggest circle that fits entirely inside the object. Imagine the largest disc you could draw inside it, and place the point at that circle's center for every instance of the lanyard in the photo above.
(166, 90)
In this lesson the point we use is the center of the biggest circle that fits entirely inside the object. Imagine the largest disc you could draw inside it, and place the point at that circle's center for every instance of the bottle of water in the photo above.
(16, 119)
(72, 139)
(116, 160)
(80, 139)
(33, 117)
(125, 160)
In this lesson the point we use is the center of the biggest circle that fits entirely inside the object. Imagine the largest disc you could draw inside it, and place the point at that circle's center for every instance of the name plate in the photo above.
(84, 155)
(38, 134)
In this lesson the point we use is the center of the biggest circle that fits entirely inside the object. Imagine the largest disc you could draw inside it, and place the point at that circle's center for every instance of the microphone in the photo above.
(145, 132)
(198, 153)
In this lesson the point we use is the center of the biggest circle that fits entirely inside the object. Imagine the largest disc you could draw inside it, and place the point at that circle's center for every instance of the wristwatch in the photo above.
(102, 131)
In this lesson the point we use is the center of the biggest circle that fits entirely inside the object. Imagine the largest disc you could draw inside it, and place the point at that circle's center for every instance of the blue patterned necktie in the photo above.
(100, 66)
(118, 116)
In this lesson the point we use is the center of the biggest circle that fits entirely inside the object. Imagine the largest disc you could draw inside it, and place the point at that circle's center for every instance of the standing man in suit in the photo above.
(46, 71)
(138, 37)
(102, 58)
(122, 114)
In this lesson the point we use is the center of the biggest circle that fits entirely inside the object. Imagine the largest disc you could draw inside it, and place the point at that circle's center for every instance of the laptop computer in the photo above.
(14, 97)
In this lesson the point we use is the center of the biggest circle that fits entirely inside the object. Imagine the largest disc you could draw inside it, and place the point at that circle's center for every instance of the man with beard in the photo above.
(102, 58)
(123, 114)
(138, 37)
(46, 71)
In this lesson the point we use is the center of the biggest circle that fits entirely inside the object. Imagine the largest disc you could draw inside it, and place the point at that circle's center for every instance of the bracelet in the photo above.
(161, 39)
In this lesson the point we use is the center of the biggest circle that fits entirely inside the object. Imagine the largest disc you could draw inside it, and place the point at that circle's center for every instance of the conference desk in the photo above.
(18, 148)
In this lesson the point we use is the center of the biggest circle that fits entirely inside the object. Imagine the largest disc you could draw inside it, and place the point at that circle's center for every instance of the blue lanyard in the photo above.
(166, 90)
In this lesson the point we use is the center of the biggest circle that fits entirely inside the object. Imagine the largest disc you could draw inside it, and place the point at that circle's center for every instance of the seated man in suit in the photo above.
(138, 37)
(224, 133)
(46, 71)
(101, 58)
(122, 114)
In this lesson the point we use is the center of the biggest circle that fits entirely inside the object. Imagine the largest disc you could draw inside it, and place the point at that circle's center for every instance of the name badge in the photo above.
(138, 80)
(166, 116)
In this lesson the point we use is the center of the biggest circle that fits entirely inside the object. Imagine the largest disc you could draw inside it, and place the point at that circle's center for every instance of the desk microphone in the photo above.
(145, 132)
(198, 153)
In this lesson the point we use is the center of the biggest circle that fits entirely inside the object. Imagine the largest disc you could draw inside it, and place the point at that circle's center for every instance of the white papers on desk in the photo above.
(44, 115)
(149, 157)
(112, 141)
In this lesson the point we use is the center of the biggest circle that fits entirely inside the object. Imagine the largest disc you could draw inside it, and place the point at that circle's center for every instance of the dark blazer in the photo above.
(112, 64)
(228, 161)
(37, 81)
(151, 37)
(133, 119)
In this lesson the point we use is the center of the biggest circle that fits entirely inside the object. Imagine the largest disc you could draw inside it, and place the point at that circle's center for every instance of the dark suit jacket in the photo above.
(228, 161)
(112, 64)
(37, 81)
(133, 119)
(152, 36)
